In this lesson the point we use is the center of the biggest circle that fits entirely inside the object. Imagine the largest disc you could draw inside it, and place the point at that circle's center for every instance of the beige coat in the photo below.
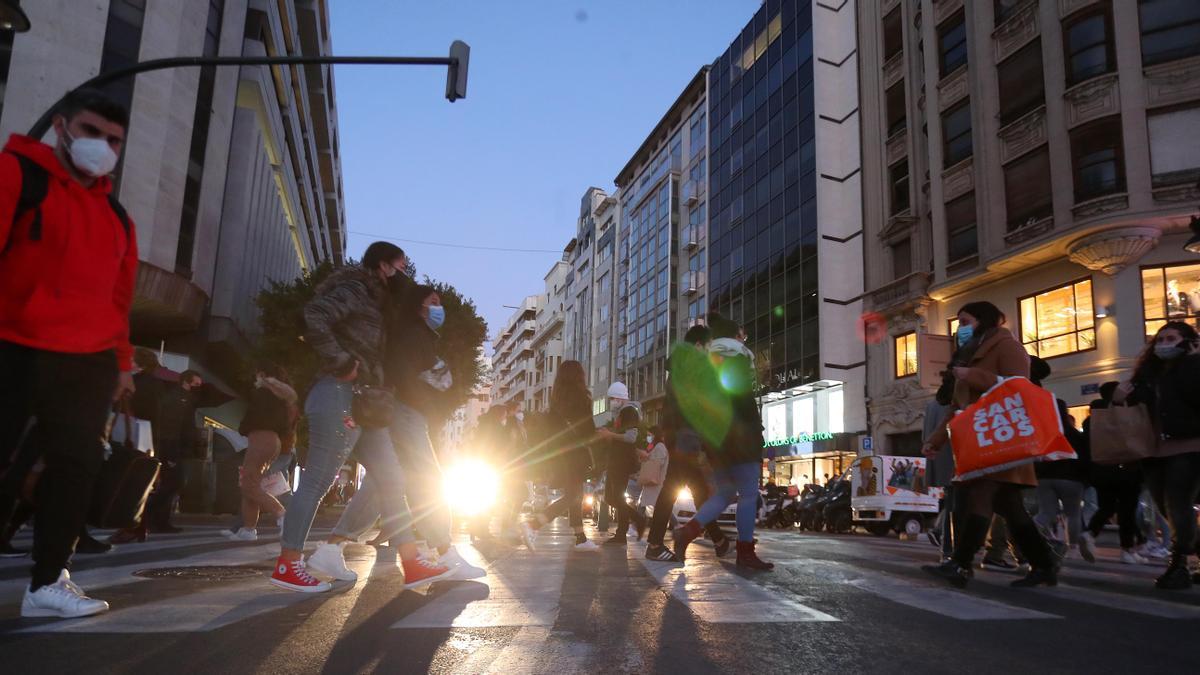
(999, 356)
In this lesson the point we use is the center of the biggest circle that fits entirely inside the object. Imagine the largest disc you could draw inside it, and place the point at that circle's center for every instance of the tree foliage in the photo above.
(281, 318)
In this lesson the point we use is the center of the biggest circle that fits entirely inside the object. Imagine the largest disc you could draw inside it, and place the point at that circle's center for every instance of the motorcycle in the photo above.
(836, 506)
(806, 508)
(779, 510)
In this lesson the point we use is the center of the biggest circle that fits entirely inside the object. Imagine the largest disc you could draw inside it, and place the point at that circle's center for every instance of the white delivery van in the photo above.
(891, 493)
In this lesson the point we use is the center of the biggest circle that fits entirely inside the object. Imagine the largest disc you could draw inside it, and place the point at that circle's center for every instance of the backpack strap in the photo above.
(122, 215)
(34, 185)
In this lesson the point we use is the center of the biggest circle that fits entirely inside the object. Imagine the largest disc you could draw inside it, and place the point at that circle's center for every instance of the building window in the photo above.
(1079, 414)
(1059, 321)
(1022, 86)
(898, 176)
(1098, 159)
(956, 135)
(893, 34)
(896, 112)
(1170, 30)
(952, 43)
(185, 247)
(122, 44)
(960, 227)
(1005, 9)
(1174, 146)
(1027, 191)
(1087, 39)
(906, 355)
(1170, 293)
(902, 258)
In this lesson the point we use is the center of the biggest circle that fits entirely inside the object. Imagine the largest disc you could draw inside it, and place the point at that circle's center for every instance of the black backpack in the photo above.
(35, 181)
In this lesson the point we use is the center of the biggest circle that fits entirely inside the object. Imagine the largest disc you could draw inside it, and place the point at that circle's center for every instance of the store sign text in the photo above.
(802, 438)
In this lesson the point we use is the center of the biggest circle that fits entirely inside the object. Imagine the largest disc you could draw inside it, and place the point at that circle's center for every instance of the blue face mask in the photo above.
(437, 316)
(964, 335)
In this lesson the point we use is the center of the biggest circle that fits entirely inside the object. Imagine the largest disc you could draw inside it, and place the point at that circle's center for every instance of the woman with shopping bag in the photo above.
(1166, 381)
(987, 351)
(654, 468)
(270, 427)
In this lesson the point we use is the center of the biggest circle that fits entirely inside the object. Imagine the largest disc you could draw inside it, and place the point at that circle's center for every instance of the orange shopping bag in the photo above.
(1014, 423)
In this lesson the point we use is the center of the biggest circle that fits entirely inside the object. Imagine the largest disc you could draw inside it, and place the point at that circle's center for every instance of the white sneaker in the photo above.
(328, 560)
(588, 545)
(1129, 557)
(244, 535)
(227, 533)
(1087, 547)
(62, 599)
(529, 536)
(1152, 550)
(462, 569)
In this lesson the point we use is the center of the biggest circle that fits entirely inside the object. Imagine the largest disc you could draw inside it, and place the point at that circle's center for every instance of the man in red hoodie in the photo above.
(68, 259)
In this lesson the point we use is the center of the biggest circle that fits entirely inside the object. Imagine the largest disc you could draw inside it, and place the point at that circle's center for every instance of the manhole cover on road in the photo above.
(212, 573)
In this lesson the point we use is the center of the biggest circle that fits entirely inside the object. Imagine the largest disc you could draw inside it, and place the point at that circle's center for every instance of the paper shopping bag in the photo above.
(1014, 423)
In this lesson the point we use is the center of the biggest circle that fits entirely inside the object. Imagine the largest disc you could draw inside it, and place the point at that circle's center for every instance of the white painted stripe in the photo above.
(523, 589)
(12, 590)
(715, 595)
(208, 609)
(932, 596)
(1122, 602)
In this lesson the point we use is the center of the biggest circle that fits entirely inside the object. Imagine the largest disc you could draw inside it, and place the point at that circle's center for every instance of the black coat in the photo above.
(411, 350)
(1174, 398)
(266, 412)
(175, 431)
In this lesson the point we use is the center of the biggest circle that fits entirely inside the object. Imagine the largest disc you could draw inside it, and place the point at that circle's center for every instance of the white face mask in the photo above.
(91, 156)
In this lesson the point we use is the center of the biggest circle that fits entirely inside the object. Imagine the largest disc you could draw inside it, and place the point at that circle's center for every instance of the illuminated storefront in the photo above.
(805, 439)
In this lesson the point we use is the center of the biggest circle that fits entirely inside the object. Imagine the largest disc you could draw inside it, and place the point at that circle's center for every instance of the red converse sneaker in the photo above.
(420, 572)
(292, 575)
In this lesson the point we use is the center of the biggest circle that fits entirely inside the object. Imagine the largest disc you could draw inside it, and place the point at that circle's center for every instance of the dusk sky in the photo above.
(560, 95)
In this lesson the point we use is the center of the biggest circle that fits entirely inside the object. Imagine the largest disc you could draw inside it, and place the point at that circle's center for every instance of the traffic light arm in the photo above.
(456, 70)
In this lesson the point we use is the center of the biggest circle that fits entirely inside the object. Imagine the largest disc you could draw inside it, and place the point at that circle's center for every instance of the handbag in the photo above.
(373, 407)
(1122, 434)
(651, 473)
(125, 481)
(1013, 424)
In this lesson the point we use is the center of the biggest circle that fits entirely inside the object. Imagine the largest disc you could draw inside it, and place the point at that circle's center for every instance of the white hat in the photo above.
(618, 390)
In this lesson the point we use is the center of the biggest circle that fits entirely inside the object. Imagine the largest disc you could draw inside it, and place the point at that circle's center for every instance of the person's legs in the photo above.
(329, 442)
(997, 538)
(745, 478)
(1071, 495)
(382, 496)
(71, 399)
(1180, 487)
(263, 447)
(1048, 492)
(1009, 504)
(724, 495)
(431, 514)
(1125, 502)
(1106, 502)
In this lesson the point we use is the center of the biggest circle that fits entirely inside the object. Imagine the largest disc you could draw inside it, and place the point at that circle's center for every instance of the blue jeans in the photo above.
(366, 506)
(331, 438)
(430, 512)
(739, 481)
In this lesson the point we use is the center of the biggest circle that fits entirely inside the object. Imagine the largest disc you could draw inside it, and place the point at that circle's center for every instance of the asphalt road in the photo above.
(852, 603)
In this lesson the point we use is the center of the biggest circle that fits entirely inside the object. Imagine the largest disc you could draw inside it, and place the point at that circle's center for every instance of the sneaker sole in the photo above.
(339, 576)
(462, 574)
(447, 575)
(301, 589)
(38, 613)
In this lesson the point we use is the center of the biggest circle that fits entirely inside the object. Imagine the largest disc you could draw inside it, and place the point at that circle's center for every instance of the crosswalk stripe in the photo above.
(214, 608)
(523, 589)
(716, 596)
(91, 579)
(1109, 599)
(930, 597)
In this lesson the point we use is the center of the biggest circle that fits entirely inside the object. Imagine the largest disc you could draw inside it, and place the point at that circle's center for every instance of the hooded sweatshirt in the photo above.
(70, 289)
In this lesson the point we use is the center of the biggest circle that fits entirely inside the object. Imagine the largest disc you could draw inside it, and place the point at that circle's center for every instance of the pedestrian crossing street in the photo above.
(818, 579)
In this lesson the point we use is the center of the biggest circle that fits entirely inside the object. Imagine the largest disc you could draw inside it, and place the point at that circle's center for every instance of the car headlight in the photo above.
(684, 493)
(589, 500)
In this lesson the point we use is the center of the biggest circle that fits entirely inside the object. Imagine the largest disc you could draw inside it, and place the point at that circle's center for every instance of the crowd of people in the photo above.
(992, 508)
(68, 269)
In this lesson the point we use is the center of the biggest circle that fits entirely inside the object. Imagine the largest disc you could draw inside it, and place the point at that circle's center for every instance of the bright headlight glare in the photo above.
(589, 500)
(470, 486)
(685, 493)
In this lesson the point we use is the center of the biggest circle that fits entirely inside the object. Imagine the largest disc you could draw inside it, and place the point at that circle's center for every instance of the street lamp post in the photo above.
(12, 18)
(456, 75)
